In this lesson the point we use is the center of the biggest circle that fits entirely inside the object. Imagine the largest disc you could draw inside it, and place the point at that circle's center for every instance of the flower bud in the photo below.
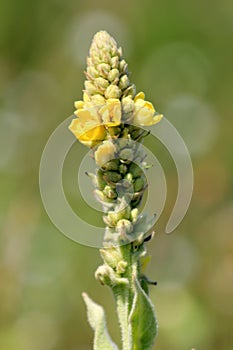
(101, 83)
(123, 169)
(100, 181)
(91, 89)
(115, 61)
(113, 91)
(124, 226)
(130, 91)
(123, 66)
(112, 176)
(105, 275)
(124, 82)
(134, 214)
(112, 256)
(121, 267)
(97, 99)
(126, 155)
(135, 170)
(129, 177)
(127, 105)
(113, 75)
(139, 184)
(105, 152)
(91, 71)
(103, 69)
(109, 192)
(111, 165)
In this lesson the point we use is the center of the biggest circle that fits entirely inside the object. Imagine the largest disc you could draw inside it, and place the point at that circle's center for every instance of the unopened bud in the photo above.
(91, 71)
(115, 61)
(109, 192)
(112, 176)
(91, 89)
(111, 165)
(101, 83)
(112, 256)
(113, 91)
(135, 170)
(121, 267)
(123, 169)
(138, 184)
(124, 82)
(103, 69)
(124, 226)
(134, 214)
(126, 155)
(113, 75)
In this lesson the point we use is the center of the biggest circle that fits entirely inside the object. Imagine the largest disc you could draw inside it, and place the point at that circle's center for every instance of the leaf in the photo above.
(142, 319)
(96, 318)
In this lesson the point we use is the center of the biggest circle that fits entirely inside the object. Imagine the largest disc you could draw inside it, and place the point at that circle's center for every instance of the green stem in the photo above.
(122, 301)
(124, 298)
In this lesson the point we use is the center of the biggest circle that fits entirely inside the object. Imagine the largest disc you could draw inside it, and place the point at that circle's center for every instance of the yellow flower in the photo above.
(111, 112)
(144, 112)
(88, 127)
(105, 153)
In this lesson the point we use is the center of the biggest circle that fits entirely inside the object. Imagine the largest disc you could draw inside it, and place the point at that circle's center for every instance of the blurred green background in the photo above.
(180, 54)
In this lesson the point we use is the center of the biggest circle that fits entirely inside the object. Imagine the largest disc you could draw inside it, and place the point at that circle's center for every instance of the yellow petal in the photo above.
(86, 115)
(105, 152)
(87, 133)
(111, 112)
(140, 95)
(79, 104)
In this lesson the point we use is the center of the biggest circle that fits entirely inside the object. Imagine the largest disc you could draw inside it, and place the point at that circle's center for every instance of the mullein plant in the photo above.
(111, 120)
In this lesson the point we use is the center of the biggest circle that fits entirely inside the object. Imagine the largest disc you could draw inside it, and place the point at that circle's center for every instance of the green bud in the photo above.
(105, 275)
(112, 256)
(123, 169)
(135, 170)
(129, 177)
(100, 181)
(121, 267)
(100, 196)
(113, 91)
(109, 192)
(111, 165)
(112, 176)
(126, 155)
(139, 184)
(113, 75)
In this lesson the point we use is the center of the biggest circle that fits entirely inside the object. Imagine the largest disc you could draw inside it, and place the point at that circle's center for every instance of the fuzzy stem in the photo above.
(121, 294)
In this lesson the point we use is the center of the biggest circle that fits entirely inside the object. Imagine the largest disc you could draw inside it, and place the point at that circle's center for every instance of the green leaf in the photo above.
(142, 319)
(96, 318)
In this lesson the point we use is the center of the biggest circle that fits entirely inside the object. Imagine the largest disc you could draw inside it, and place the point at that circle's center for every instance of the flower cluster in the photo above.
(109, 99)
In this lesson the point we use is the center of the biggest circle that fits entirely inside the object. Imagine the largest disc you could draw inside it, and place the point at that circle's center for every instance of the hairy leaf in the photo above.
(142, 319)
(96, 318)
